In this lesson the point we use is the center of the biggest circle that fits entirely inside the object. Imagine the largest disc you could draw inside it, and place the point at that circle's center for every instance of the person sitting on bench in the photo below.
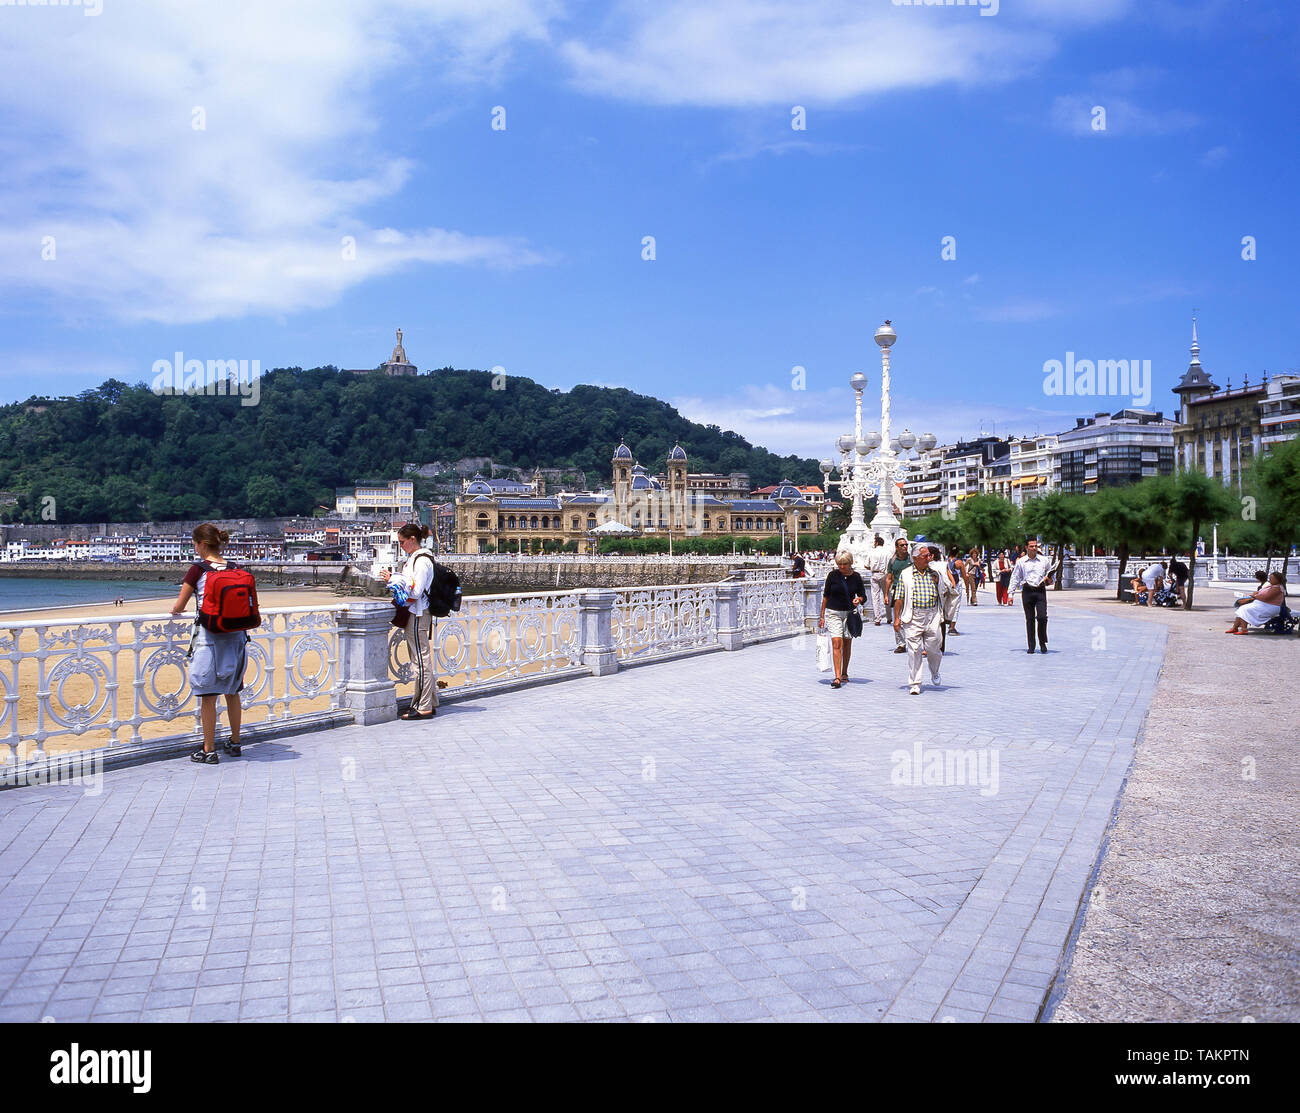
(1259, 608)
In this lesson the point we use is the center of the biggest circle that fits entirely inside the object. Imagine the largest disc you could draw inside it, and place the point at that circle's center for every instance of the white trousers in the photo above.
(878, 597)
(923, 641)
(953, 605)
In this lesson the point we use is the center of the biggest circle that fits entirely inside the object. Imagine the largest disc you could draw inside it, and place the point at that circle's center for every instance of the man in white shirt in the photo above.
(877, 567)
(1153, 579)
(1033, 573)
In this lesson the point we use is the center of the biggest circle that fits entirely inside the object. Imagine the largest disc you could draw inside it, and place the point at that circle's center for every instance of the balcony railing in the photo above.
(114, 681)
(118, 687)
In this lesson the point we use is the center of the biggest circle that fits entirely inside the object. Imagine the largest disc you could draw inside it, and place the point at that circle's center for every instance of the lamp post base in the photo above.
(888, 526)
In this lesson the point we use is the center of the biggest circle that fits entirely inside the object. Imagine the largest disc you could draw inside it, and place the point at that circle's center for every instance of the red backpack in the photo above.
(229, 601)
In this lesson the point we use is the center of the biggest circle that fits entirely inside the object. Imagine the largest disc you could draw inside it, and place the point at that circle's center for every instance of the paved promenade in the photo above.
(1196, 911)
(716, 838)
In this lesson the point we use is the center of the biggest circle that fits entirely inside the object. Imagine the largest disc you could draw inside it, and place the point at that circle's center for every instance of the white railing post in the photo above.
(596, 625)
(368, 690)
(730, 635)
(812, 603)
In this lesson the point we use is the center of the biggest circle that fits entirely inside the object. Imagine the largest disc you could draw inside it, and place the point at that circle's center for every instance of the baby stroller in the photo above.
(1166, 597)
(1285, 622)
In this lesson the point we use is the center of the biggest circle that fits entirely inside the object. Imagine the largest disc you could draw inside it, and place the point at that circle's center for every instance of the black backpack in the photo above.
(444, 590)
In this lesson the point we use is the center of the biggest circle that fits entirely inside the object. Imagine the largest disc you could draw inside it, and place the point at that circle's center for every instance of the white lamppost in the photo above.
(872, 463)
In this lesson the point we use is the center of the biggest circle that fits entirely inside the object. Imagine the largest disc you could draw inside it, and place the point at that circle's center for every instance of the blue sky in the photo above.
(775, 247)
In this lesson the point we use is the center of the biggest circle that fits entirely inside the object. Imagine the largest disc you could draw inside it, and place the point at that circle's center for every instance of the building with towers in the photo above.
(509, 516)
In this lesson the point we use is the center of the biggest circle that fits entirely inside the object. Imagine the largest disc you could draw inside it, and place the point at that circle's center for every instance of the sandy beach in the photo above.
(161, 604)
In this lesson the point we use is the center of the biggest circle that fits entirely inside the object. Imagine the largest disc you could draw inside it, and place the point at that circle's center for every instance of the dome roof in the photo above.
(787, 490)
(643, 482)
(639, 469)
(678, 453)
(478, 487)
(622, 452)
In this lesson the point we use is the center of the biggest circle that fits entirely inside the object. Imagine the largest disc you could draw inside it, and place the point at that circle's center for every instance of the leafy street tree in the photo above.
(1122, 518)
(1195, 498)
(988, 521)
(1275, 483)
(1060, 519)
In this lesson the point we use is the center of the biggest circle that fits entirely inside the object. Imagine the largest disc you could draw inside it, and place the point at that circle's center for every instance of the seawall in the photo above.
(478, 576)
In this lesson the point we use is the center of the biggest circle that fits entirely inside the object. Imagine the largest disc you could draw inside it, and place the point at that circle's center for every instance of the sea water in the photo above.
(19, 593)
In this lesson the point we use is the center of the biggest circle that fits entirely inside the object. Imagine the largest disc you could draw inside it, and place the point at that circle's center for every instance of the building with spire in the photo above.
(1220, 431)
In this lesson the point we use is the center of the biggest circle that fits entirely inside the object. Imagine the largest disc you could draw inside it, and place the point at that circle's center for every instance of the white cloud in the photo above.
(756, 52)
(1074, 114)
(1214, 156)
(154, 220)
(1020, 311)
(807, 423)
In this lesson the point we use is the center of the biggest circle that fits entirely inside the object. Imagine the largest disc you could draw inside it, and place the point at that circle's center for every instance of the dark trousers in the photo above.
(1034, 600)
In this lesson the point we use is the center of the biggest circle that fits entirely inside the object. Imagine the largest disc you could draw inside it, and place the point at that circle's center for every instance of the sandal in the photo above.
(202, 757)
(835, 683)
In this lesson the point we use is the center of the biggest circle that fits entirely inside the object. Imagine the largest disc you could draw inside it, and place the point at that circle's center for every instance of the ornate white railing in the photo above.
(771, 607)
(654, 621)
(496, 638)
(112, 680)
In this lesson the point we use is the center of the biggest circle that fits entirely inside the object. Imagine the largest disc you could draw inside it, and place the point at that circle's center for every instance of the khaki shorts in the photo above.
(835, 623)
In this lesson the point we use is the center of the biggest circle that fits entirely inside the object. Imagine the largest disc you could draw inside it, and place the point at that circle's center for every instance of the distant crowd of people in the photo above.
(920, 593)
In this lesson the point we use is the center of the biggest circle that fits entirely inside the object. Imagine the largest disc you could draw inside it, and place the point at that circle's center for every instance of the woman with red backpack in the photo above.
(227, 607)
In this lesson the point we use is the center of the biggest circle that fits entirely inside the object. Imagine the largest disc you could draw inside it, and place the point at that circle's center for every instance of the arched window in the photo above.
(591, 522)
(546, 521)
(482, 521)
(706, 521)
(573, 523)
(533, 522)
(803, 525)
(749, 523)
(511, 521)
(501, 521)
(771, 524)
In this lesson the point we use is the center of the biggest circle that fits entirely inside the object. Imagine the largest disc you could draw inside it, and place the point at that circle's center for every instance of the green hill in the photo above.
(125, 453)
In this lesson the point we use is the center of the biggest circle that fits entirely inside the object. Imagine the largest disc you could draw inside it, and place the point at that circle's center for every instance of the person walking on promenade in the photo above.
(920, 617)
(899, 561)
(217, 661)
(955, 569)
(417, 575)
(973, 577)
(1179, 573)
(844, 592)
(878, 570)
(1002, 570)
(1033, 574)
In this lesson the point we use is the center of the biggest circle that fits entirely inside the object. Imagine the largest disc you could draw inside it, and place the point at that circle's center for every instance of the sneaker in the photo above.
(202, 757)
(934, 680)
(234, 749)
(900, 649)
(1042, 649)
(915, 690)
(1030, 649)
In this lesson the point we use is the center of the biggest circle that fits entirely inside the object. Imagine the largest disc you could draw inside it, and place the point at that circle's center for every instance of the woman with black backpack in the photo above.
(417, 575)
(217, 660)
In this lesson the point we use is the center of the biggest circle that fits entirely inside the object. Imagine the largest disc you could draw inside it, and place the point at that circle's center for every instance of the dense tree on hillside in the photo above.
(123, 452)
